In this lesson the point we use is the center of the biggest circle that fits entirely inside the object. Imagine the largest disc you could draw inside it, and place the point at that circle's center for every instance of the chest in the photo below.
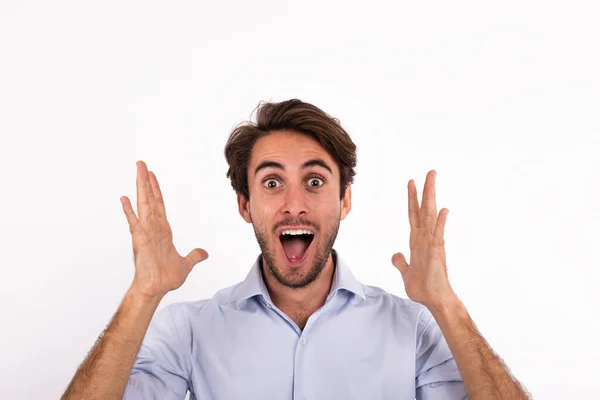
(334, 357)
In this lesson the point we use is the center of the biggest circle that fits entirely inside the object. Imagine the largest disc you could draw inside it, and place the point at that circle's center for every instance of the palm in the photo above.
(159, 268)
(419, 282)
(164, 265)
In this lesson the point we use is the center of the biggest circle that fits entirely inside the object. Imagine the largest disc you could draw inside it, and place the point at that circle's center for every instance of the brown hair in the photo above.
(291, 115)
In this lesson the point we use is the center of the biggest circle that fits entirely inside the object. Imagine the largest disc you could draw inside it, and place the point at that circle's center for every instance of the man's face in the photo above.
(294, 187)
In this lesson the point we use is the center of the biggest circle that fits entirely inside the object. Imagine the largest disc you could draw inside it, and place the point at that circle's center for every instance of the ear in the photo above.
(244, 207)
(346, 201)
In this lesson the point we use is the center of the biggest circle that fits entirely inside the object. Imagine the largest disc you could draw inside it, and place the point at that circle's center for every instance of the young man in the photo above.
(300, 326)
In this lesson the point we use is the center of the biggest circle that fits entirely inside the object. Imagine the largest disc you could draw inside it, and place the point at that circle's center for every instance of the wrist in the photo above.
(447, 309)
(140, 299)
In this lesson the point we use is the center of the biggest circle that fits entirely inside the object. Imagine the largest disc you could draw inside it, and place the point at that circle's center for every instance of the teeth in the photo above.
(296, 232)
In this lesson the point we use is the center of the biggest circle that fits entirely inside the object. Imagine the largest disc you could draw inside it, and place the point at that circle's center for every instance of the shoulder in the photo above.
(397, 306)
(379, 295)
(199, 308)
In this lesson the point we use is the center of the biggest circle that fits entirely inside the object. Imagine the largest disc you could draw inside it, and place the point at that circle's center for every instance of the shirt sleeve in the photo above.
(437, 376)
(161, 368)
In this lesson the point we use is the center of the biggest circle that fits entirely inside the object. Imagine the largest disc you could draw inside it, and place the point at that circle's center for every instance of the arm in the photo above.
(104, 373)
(436, 374)
(483, 372)
(163, 367)
(426, 282)
(159, 268)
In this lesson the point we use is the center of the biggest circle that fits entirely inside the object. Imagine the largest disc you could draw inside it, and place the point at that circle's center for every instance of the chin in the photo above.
(303, 269)
(301, 273)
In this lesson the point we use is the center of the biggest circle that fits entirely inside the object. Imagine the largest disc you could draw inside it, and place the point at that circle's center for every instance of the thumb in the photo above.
(399, 262)
(195, 256)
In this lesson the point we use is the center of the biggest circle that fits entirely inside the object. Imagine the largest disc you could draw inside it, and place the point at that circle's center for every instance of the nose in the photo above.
(295, 202)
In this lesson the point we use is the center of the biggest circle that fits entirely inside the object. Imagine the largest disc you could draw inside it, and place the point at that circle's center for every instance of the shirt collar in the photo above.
(254, 285)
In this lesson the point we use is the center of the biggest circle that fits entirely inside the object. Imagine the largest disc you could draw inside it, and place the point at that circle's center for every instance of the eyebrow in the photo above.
(315, 162)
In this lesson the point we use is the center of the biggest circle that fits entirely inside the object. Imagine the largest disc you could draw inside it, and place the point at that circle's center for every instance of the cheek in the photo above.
(262, 211)
(265, 207)
(329, 209)
(329, 202)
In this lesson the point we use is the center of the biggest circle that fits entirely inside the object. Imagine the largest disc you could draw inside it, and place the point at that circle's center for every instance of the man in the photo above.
(300, 326)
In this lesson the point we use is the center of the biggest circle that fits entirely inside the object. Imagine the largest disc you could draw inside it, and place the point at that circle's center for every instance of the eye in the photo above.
(316, 182)
(271, 183)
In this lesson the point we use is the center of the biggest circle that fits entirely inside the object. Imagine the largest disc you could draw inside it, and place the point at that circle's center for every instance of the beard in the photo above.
(296, 279)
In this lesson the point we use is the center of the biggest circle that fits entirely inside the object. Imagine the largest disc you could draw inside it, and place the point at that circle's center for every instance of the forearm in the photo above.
(105, 371)
(484, 374)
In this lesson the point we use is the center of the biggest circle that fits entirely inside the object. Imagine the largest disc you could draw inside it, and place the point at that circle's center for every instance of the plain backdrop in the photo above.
(501, 98)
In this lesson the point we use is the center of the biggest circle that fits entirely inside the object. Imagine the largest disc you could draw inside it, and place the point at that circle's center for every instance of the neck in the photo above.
(300, 301)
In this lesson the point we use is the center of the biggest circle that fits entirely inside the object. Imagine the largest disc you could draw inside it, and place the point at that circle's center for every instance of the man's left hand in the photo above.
(425, 277)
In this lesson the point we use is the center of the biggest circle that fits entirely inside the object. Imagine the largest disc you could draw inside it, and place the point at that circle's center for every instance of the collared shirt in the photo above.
(363, 343)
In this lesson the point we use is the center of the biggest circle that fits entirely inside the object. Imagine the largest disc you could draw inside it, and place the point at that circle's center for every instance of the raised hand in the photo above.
(159, 268)
(425, 277)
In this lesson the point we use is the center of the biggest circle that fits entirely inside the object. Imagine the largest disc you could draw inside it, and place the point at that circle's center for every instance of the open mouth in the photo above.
(295, 244)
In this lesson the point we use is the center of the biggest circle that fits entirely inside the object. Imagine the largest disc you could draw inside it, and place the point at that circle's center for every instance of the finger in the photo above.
(195, 256)
(413, 205)
(428, 211)
(132, 220)
(143, 189)
(158, 198)
(149, 190)
(438, 234)
(400, 263)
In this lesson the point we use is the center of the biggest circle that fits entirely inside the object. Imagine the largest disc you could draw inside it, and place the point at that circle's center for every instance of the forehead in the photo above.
(290, 149)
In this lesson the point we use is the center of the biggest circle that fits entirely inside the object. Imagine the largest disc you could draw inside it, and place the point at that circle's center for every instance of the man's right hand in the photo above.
(159, 268)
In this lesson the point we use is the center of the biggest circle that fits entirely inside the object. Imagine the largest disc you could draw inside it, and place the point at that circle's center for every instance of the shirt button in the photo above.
(302, 340)
(269, 305)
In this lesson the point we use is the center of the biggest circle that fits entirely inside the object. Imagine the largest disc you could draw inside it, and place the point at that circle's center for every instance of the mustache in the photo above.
(296, 222)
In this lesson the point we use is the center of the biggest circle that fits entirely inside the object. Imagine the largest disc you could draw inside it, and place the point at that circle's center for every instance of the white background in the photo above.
(501, 98)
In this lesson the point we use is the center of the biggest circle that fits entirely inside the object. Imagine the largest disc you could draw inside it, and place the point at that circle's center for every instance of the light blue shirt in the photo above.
(364, 343)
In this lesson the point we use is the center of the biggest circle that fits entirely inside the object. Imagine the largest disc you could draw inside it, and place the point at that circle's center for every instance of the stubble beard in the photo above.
(295, 279)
